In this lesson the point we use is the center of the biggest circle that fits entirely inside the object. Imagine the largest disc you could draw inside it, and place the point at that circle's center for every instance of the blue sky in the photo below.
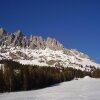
(75, 23)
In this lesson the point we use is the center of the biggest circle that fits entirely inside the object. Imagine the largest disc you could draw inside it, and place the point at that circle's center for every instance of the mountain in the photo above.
(43, 52)
(34, 42)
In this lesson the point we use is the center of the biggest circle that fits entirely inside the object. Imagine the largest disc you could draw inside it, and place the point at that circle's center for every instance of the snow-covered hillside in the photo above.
(48, 57)
(43, 52)
(82, 89)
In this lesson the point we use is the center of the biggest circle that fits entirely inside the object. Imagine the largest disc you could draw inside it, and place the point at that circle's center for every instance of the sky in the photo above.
(74, 23)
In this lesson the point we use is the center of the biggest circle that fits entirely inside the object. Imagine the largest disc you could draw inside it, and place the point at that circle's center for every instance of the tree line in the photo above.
(17, 77)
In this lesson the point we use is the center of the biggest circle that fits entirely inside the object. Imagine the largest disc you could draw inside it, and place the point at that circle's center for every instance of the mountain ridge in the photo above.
(34, 42)
(39, 51)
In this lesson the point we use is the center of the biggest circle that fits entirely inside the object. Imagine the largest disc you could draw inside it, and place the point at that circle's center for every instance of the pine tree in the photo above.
(1, 80)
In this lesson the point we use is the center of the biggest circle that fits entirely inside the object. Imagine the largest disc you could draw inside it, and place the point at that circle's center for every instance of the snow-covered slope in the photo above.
(43, 52)
(82, 89)
(48, 57)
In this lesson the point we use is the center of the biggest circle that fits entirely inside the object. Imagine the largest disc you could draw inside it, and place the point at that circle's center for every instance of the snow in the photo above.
(83, 89)
(86, 78)
(32, 62)
(41, 57)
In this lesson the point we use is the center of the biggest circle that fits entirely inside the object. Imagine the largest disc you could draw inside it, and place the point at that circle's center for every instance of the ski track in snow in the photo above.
(82, 89)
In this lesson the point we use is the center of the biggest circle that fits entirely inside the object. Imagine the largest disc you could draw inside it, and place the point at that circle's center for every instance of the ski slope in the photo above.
(82, 89)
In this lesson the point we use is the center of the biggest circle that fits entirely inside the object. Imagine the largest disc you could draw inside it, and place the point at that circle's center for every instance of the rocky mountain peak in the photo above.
(2, 32)
(54, 44)
(18, 34)
(34, 42)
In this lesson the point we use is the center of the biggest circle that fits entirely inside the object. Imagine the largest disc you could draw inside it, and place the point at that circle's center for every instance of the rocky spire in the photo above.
(18, 34)
(53, 44)
(2, 32)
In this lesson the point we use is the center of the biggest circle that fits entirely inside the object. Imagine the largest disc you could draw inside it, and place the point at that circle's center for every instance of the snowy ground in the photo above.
(82, 89)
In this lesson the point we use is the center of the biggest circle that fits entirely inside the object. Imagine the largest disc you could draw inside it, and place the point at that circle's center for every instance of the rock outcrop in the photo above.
(34, 42)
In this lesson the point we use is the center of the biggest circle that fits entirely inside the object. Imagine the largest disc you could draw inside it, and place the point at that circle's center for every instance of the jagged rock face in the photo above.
(35, 42)
(18, 38)
(2, 32)
(54, 44)
(3, 37)
(10, 39)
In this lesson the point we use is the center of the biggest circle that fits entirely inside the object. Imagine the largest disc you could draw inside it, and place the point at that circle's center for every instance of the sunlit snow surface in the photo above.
(82, 89)
(48, 57)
